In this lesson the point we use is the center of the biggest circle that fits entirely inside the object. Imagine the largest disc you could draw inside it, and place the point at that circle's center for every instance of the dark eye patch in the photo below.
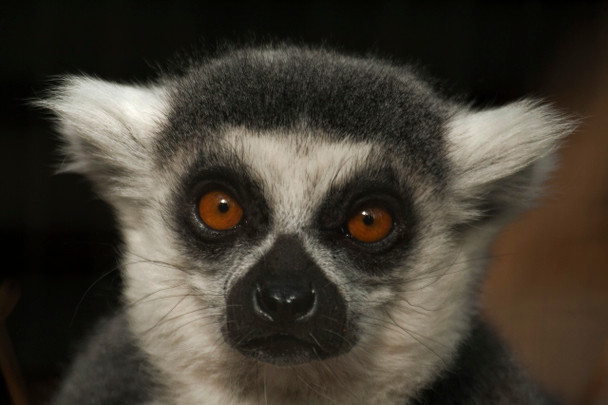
(378, 188)
(196, 237)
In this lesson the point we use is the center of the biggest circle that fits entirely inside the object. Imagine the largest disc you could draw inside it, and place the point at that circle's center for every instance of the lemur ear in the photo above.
(503, 155)
(107, 130)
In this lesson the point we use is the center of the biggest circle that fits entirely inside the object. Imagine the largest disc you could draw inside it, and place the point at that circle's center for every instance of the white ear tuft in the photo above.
(501, 158)
(107, 128)
(491, 145)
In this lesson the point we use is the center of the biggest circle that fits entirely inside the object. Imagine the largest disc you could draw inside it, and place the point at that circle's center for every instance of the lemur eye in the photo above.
(219, 210)
(370, 224)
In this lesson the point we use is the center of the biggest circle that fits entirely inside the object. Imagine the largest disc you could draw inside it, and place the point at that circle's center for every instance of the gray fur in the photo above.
(120, 375)
(302, 137)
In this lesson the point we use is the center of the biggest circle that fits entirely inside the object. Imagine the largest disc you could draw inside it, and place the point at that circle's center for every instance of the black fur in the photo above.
(484, 374)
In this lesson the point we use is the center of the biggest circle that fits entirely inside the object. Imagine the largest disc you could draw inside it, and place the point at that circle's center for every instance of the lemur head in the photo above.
(318, 217)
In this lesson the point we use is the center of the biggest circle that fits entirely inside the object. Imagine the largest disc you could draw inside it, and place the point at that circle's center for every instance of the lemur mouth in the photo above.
(282, 349)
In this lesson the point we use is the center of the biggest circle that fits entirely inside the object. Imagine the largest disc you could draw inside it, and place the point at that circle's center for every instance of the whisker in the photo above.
(166, 315)
(412, 334)
(314, 388)
(144, 299)
(89, 290)
(190, 313)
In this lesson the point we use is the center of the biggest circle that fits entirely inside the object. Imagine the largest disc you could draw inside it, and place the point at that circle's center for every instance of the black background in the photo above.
(57, 238)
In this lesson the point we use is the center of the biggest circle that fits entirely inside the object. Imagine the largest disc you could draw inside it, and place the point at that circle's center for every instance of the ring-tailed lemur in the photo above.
(300, 227)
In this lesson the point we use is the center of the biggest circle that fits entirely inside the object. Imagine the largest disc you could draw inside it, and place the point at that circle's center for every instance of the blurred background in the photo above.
(547, 291)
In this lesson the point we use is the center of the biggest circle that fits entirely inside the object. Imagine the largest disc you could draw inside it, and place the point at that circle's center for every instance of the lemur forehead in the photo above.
(302, 161)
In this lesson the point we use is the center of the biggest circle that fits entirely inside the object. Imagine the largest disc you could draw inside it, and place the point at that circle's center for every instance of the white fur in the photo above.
(488, 145)
(107, 128)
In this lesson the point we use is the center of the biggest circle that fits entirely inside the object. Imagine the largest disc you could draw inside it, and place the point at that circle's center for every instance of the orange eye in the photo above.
(219, 210)
(370, 224)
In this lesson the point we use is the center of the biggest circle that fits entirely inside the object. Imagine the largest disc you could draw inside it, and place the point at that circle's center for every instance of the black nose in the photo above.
(284, 303)
(284, 310)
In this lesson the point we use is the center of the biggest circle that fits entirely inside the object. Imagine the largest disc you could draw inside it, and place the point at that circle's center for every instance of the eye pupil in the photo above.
(368, 219)
(223, 206)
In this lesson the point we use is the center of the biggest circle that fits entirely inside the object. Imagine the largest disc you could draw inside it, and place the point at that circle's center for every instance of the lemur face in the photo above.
(302, 212)
(287, 222)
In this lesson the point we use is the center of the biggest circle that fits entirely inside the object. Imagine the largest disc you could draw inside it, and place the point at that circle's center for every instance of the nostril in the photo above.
(284, 303)
(304, 303)
(266, 301)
